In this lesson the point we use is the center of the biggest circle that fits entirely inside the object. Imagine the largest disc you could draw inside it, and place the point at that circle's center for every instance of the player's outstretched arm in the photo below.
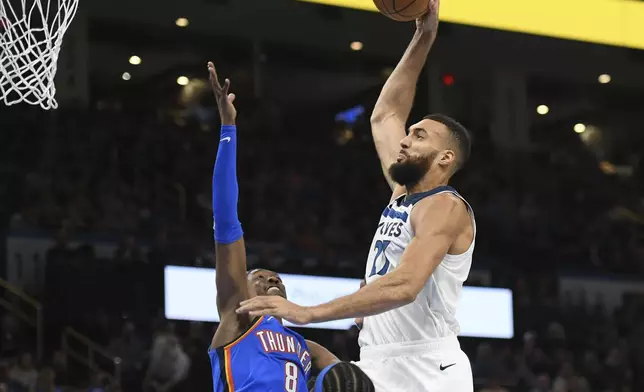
(437, 222)
(397, 96)
(229, 242)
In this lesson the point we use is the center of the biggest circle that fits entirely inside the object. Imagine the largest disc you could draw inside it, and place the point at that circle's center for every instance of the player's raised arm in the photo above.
(229, 242)
(397, 96)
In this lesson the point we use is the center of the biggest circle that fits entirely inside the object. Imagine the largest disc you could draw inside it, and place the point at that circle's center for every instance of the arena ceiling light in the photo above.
(126, 76)
(543, 109)
(183, 81)
(604, 78)
(621, 20)
(182, 22)
(135, 60)
(356, 46)
(580, 128)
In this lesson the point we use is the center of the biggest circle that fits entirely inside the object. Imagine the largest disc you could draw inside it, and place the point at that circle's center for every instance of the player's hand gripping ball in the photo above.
(402, 10)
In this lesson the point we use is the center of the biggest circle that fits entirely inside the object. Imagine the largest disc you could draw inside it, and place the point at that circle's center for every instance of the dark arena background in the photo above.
(107, 253)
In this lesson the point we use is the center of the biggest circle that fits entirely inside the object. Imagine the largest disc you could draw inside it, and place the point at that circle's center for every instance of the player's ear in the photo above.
(446, 157)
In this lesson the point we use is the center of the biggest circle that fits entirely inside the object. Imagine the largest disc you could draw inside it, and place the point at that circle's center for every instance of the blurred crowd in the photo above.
(564, 343)
(312, 186)
(310, 194)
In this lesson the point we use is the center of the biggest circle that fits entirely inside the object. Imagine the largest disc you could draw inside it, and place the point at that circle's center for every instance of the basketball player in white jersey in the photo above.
(422, 250)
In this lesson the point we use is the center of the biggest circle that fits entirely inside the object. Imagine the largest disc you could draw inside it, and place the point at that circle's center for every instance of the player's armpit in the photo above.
(320, 356)
(437, 222)
(388, 130)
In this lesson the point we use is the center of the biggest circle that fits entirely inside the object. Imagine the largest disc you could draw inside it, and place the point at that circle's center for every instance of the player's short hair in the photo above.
(342, 377)
(459, 133)
(251, 272)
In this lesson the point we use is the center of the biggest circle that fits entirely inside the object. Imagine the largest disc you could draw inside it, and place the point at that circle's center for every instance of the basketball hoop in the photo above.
(31, 33)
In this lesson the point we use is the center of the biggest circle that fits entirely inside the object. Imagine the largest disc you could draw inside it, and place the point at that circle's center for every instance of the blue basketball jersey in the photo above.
(268, 357)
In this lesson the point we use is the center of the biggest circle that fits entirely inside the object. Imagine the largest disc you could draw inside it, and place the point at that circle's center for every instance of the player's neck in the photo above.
(427, 183)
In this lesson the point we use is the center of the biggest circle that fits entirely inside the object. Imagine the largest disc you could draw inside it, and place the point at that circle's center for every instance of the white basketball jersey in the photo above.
(432, 315)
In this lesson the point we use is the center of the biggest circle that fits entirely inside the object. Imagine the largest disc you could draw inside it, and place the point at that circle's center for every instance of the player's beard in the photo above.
(410, 171)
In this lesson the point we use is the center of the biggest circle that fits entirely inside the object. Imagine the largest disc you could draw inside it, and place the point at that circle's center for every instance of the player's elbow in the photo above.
(383, 113)
(377, 117)
(407, 292)
(397, 292)
(404, 288)
(408, 295)
(412, 283)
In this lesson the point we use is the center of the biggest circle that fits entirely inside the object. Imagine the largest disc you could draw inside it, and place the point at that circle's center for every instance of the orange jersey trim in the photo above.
(227, 359)
(229, 371)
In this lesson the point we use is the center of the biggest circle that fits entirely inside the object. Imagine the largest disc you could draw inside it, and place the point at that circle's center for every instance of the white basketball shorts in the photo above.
(421, 366)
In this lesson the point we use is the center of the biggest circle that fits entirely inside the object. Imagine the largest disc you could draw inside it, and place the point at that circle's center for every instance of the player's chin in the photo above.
(276, 291)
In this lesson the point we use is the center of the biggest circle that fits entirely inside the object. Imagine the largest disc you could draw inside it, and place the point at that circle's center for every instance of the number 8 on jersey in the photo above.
(290, 377)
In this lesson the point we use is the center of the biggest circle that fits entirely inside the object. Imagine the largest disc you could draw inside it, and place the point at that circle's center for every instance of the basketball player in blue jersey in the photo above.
(257, 354)
(421, 253)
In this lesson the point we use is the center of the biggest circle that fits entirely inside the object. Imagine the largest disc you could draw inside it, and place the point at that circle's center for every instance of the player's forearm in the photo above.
(320, 356)
(225, 190)
(389, 292)
(397, 95)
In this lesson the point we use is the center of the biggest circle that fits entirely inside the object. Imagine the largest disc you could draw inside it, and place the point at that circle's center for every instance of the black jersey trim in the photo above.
(412, 199)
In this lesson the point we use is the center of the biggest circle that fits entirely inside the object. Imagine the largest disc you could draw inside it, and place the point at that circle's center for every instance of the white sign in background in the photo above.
(190, 294)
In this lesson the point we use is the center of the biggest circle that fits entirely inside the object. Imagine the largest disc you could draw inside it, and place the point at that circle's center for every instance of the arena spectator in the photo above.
(169, 364)
(129, 348)
(60, 368)
(24, 372)
(46, 381)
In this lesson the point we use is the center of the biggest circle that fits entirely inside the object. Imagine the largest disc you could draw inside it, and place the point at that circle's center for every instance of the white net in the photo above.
(31, 33)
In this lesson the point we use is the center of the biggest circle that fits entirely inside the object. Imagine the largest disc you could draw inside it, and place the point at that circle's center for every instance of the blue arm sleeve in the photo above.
(225, 190)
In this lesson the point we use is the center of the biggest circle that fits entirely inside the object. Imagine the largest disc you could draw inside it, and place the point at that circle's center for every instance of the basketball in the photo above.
(402, 10)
